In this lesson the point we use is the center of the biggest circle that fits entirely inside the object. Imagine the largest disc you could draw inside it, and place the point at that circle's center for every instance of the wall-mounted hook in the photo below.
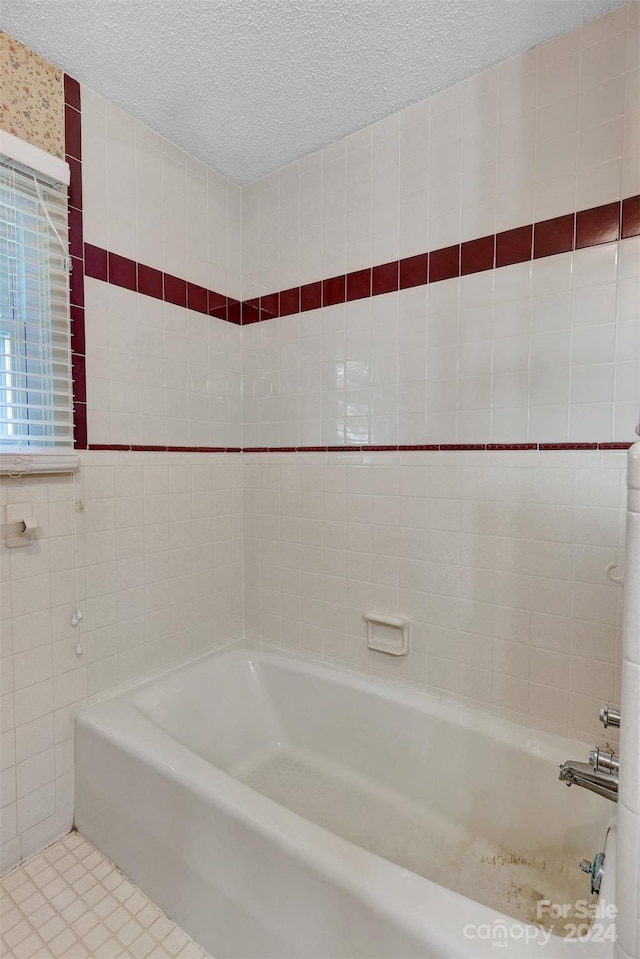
(619, 579)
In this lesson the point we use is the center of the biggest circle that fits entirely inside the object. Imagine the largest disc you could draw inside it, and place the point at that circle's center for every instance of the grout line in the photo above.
(65, 862)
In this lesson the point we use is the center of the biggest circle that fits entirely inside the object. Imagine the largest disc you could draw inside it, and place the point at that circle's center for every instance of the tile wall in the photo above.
(150, 201)
(157, 539)
(498, 559)
(544, 350)
(157, 374)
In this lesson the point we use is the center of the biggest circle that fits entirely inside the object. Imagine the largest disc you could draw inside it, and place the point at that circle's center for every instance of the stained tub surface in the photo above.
(276, 806)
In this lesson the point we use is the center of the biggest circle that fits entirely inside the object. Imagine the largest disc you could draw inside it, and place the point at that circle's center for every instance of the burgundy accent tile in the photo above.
(234, 313)
(95, 262)
(251, 311)
(121, 447)
(76, 243)
(80, 426)
(125, 447)
(600, 224)
(514, 246)
(567, 446)
(122, 272)
(78, 377)
(413, 271)
(476, 256)
(358, 285)
(75, 187)
(554, 236)
(385, 278)
(631, 217)
(512, 446)
(150, 281)
(269, 306)
(444, 264)
(290, 301)
(71, 91)
(333, 290)
(419, 447)
(310, 296)
(217, 305)
(76, 282)
(175, 290)
(197, 298)
(72, 133)
(77, 329)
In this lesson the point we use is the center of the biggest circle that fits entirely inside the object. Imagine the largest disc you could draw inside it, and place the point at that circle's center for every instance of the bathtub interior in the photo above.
(464, 804)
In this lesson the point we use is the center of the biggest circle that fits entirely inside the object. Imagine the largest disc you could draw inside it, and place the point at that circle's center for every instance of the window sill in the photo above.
(18, 463)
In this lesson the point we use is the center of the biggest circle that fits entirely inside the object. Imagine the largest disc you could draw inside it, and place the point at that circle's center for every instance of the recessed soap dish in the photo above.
(387, 634)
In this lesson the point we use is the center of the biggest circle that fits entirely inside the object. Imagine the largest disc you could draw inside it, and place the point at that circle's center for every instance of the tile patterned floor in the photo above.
(69, 902)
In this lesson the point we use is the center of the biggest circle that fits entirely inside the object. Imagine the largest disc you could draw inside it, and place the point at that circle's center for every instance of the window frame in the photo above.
(29, 459)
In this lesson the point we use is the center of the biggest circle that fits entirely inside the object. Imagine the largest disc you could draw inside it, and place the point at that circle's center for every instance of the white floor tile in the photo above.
(70, 902)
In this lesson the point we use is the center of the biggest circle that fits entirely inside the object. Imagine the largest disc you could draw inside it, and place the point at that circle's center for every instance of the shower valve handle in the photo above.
(609, 716)
(604, 761)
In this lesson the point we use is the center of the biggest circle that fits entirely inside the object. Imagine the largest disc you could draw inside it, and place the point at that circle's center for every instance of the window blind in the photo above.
(35, 350)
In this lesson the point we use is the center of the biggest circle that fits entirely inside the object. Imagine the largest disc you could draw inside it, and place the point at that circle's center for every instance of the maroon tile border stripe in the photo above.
(73, 156)
(139, 278)
(404, 448)
(562, 234)
(136, 448)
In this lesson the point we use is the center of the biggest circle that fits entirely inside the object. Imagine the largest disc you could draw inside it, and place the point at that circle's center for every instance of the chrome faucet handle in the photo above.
(609, 716)
(604, 761)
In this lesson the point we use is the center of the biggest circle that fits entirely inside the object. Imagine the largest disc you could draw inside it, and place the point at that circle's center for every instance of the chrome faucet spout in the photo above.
(583, 774)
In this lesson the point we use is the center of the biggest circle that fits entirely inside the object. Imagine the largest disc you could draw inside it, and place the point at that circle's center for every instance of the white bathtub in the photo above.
(409, 818)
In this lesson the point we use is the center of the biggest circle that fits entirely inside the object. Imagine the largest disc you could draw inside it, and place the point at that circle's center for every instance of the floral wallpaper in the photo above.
(31, 97)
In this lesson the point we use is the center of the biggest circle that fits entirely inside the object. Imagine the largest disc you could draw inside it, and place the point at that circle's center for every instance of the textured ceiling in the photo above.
(250, 85)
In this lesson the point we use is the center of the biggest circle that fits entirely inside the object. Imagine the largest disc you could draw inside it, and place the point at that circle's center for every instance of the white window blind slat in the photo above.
(35, 349)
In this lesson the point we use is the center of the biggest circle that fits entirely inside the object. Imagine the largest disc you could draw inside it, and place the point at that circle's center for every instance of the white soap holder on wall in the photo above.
(21, 525)
(387, 634)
